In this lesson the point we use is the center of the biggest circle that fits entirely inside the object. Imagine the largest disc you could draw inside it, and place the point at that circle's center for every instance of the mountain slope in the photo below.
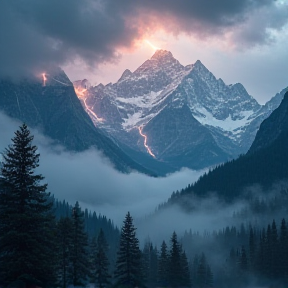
(264, 164)
(148, 97)
(56, 111)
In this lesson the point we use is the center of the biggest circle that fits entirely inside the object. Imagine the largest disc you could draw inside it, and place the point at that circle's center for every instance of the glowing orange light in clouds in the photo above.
(44, 79)
(81, 95)
(145, 142)
(152, 46)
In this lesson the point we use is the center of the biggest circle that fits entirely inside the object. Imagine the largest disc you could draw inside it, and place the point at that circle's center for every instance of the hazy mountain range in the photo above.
(265, 164)
(190, 118)
(157, 119)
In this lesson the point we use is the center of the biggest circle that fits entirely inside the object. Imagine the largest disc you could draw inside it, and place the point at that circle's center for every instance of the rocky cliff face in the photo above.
(180, 110)
(52, 106)
(272, 128)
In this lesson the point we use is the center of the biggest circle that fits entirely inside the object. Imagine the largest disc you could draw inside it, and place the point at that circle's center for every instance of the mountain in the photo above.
(185, 116)
(264, 164)
(51, 105)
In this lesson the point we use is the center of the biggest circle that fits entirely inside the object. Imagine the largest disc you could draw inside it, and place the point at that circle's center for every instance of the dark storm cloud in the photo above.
(35, 34)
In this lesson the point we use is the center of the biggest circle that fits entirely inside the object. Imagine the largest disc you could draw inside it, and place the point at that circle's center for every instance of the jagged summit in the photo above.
(199, 66)
(125, 74)
(160, 54)
(190, 118)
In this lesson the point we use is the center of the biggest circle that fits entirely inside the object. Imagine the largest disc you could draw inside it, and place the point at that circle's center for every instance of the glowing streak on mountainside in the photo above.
(80, 92)
(92, 112)
(44, 79)
(145, 142)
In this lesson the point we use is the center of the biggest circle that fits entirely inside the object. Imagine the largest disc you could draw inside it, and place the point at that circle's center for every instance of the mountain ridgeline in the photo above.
(189, 118)
(156, 120)
(264, 164)
(54, 109)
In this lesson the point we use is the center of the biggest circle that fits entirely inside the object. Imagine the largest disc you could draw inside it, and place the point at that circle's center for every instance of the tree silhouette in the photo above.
(26, 242)
(128, 265)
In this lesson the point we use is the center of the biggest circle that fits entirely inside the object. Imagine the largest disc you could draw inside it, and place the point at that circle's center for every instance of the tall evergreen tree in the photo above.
(243, 261)
(283, 250)
(202, 272)
(101, 264)
(26, 222)
(128, 265)
(149, 264)
(80, 263)
(65, 241)
(185, 281)
(175, 262)
(209, 277)
(275, 263)
(252, 249)
(163, 266)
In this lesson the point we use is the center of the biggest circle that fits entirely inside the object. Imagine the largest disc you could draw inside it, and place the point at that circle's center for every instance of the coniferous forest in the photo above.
(48, 243)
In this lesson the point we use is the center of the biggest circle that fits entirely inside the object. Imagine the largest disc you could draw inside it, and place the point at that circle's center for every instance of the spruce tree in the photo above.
(149, 264)
(275, 263)
(252, 250)
(80, 264)
(163, 266)
(209, 277)
(283, 250)
(243, 261)
(100, 263)
(128, 265)
(185, 280)
(175, 262)
(202, 272)
(26, 222)
(65, 241)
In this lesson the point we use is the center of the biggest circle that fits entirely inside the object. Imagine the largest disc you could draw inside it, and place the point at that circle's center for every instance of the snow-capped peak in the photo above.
(162, 54)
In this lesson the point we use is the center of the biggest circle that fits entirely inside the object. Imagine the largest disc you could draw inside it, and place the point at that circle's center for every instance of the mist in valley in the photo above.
(89, 177)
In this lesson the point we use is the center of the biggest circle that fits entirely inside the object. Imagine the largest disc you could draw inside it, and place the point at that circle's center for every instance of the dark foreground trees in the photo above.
(128, 266)
(100, 263)
(26, 221)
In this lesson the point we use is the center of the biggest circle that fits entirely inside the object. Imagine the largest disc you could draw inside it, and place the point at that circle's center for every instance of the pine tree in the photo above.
(80, 264)
(128, 265)
(26, 229)
(163, 266)
(175, 262)
(185, 281)
(275, 267)
(149, 264)
(243, 262)
(209, 277)
(252, 249)
(283, 250)
(153, 265)
(65, 241)
(100, 262)
(202, 272)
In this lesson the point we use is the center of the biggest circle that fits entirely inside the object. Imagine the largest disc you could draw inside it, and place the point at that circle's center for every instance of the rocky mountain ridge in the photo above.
(49, 103)
(162, 89)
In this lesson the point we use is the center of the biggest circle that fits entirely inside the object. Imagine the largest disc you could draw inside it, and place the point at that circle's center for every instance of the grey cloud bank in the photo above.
(39, 34)
(90, 179)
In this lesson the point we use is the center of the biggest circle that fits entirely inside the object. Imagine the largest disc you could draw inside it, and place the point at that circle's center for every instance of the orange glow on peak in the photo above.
(80, 92)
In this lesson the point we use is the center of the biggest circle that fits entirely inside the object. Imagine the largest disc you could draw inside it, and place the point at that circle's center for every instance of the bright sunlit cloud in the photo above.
(152, 46)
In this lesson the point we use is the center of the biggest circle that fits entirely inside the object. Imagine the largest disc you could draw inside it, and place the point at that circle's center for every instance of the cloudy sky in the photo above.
(239, 41)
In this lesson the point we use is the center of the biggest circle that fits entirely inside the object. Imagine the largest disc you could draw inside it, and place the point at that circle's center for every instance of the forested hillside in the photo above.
(264, 165)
